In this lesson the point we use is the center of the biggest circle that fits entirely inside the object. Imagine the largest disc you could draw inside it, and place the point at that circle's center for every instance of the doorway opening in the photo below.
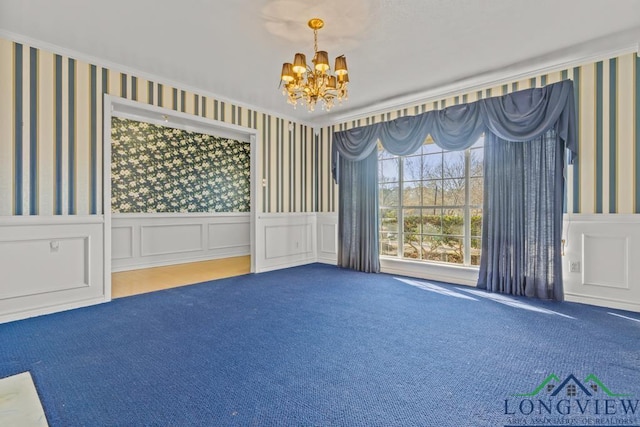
(179, 198)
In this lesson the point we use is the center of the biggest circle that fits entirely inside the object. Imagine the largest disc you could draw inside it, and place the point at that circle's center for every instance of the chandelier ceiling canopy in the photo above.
(310, 85)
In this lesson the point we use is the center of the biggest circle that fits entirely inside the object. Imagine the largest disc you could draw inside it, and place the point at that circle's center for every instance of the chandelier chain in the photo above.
(315, 40)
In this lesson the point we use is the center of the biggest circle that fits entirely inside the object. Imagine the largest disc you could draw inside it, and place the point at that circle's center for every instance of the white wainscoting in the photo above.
(282, 239)
(605, 253)
(151, 240)
(285, 240)
(50, 263)
(327, 232)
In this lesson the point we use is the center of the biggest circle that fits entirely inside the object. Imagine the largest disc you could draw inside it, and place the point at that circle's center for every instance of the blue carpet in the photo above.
(321, 346)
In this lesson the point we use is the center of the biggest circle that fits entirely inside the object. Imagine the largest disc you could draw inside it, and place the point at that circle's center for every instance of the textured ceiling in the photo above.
(397, 50)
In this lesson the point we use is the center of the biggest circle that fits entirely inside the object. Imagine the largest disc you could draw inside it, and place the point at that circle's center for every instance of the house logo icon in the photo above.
(572, 387)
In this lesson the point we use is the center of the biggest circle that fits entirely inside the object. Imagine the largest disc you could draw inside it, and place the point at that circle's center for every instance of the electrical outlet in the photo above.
(54, 246)
(574, 266)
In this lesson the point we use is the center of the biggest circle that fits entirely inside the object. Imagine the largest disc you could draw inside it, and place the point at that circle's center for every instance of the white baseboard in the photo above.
(603, 302)
(20, 314)
(288, 264)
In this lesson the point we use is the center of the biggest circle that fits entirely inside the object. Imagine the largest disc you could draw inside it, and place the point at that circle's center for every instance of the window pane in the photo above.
(412, 168)
(412, 220)
(476, 222)
(388, 220)
(432, 193)
(388, 171)
(475, 191)
(412, 248)
(453, 192)
(476, 249)
(389, 244)
(476, 162)
(432, 221)
(453, 222)
(432, 166)
(453, 164)
(443, 249)
(451, 250)
(384, 154)
(411, 194)
(431, 245)
(389, 194)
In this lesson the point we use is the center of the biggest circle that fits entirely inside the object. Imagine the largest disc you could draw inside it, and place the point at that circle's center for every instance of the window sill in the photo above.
(459, 275)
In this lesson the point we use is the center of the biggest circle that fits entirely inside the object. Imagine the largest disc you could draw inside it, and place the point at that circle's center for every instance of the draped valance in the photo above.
(518, 116)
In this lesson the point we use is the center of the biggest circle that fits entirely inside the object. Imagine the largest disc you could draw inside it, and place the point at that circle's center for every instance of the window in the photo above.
(431, 204)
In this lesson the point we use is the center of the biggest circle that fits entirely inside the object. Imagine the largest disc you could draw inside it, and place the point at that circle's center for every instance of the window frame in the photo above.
(400, 207)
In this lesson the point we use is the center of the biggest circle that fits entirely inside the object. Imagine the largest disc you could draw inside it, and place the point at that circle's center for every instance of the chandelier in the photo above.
(310, 85)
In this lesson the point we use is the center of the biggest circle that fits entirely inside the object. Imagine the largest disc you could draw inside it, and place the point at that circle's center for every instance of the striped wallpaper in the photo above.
(51, 136)
(606, 176)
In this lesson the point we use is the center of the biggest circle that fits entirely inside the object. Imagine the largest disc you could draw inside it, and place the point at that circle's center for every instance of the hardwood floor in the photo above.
(135, 282)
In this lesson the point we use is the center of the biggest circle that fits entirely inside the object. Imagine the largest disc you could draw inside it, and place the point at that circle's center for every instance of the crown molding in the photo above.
(93, 60)
(584, 53)
(581, 54)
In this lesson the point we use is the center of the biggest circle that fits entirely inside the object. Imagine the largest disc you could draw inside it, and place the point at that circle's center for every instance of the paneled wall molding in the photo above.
(50, 264)
(599, 262)
(152, 240)
(327, 232)
(285, 240)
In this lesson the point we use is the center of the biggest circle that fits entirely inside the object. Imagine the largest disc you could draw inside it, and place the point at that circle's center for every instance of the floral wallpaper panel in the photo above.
(161, 169)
